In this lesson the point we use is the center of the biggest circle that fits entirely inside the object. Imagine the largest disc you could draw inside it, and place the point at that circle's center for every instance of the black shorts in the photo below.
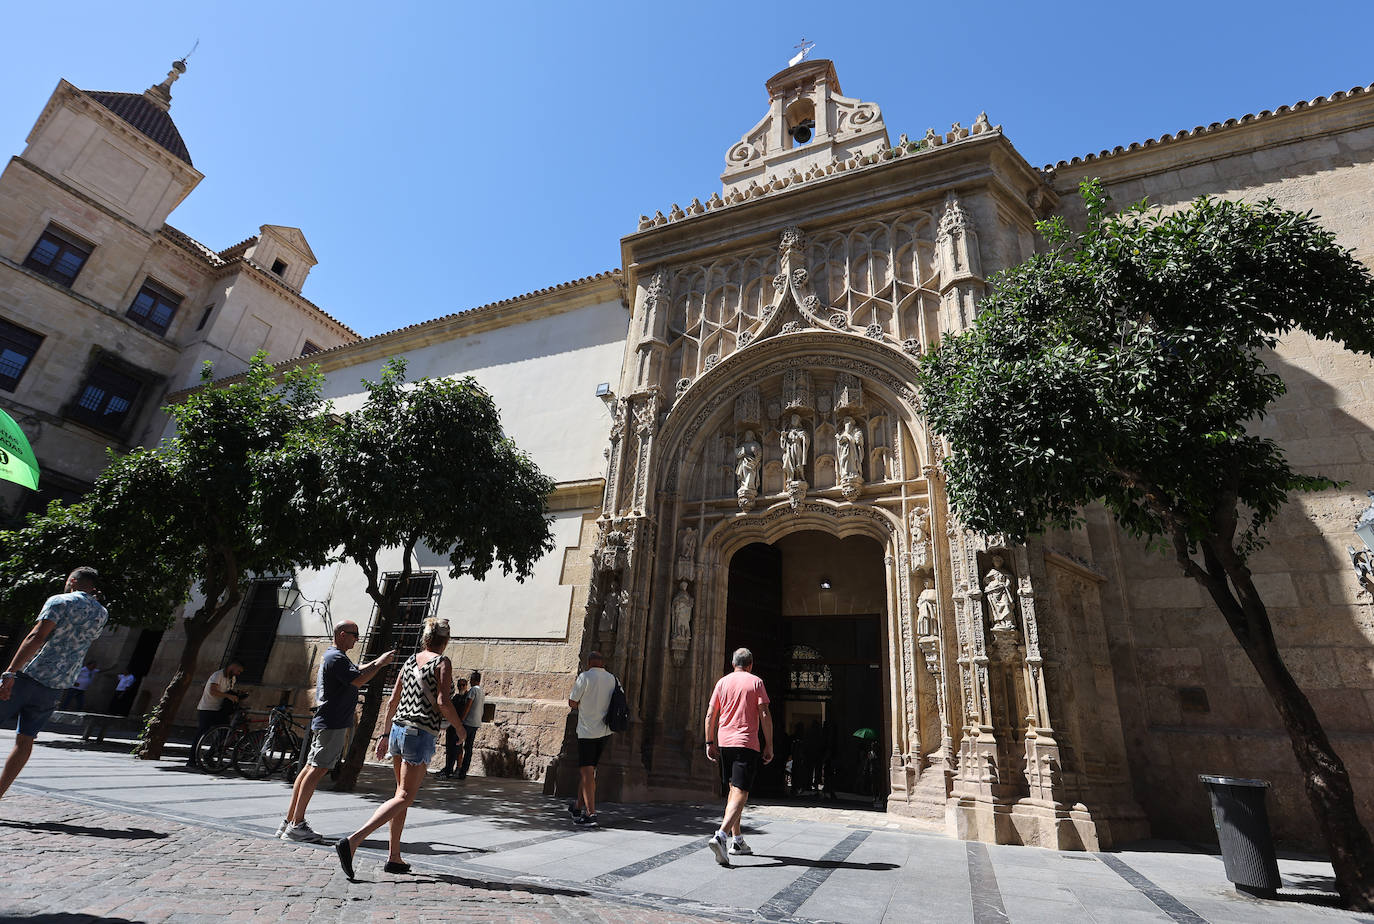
(589, 750)
(738, 767)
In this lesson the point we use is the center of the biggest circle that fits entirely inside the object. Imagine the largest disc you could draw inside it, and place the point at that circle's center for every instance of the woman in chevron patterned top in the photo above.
(420, 703)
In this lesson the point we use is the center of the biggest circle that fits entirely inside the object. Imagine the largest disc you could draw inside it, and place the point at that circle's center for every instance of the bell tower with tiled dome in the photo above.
(121, 149)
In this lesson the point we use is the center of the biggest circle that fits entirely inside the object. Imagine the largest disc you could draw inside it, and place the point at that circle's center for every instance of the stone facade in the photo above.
(92, 347)
(1063, 693)
(99, 176)
(760, 409)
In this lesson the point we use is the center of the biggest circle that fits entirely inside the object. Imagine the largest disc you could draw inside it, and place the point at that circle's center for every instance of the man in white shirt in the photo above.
(219, 692)
(124, 693)
(591, 697)
(75, 697)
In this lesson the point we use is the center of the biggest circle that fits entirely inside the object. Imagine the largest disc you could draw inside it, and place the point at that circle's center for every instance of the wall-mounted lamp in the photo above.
(825, 583)
(291, 600)
(288, 594)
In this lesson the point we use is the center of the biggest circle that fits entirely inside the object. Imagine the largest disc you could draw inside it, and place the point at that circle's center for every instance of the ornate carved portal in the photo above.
(792, 409)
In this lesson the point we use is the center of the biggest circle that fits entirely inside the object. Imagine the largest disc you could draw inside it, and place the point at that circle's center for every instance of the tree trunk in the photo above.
(198, 629)
(1326, 780)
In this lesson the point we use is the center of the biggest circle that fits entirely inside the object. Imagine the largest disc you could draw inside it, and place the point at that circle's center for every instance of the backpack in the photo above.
(618, 711)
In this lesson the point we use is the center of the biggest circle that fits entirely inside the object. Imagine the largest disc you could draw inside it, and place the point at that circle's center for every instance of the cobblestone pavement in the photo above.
(91, 835)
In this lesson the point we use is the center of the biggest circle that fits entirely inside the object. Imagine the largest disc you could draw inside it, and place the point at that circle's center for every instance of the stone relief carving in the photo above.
(682, 619)
(849, 450)
(927, 609)
(747, 457)
(796, 390)
(687, 554)
(611, 556)
(997, 593)
(747, 407)
(796, 442)
(848, 392)
(920, 550)
(610, 608)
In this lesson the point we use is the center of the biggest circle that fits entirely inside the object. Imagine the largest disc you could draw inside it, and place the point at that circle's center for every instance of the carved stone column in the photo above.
(645, 407)
(650, 329)
(961, 279)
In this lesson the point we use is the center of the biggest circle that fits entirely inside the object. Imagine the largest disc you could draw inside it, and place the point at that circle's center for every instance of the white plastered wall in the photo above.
(543, 374)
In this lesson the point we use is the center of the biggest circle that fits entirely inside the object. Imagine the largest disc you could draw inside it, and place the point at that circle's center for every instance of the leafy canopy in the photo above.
(226, 496)
(1125, 365)
(427, 463)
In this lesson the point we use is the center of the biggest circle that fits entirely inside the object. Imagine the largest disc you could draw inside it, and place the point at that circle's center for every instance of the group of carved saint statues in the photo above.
(996, 591)
(796, 446)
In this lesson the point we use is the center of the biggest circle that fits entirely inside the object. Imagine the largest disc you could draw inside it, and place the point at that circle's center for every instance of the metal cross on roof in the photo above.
(800, 56)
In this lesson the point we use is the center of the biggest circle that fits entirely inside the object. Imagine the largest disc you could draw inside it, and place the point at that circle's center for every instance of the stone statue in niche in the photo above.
(796, 443)
(682, 613)
(686, 554)
(919, 553)
(610, 609)
(849, 450)
(926, 610)
(997, 592)
(747, 457)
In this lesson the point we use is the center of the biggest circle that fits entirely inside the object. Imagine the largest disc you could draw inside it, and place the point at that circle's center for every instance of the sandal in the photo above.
(396, 866)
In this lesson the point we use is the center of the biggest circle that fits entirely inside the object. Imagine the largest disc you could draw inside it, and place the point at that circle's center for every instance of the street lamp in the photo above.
(291, 600)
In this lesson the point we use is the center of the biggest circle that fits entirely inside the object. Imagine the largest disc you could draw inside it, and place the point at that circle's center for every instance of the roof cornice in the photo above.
(556, 299)
(1215, 128)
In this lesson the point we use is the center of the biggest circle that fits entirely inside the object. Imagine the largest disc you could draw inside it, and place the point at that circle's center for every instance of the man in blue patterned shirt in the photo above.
(46, 664)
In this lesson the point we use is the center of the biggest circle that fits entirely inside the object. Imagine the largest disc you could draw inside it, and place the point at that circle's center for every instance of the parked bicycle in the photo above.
(216, 749)
(274, 749)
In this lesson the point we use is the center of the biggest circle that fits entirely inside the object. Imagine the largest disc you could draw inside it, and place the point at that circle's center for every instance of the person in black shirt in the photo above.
(336, 701)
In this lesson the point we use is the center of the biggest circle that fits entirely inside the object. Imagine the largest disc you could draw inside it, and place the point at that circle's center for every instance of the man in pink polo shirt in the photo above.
(739, 706)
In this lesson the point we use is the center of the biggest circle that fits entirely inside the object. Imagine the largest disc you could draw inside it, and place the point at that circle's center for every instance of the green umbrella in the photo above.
(866, 734)
(17, 463)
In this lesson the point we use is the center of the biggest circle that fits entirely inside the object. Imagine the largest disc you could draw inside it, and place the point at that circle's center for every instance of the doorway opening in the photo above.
(811, 609)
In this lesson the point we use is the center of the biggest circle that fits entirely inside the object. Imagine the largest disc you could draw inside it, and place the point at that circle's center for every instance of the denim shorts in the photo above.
(413, 745)
(29, 706)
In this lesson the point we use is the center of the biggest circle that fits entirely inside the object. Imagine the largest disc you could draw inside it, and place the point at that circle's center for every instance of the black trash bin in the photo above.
(1242, 822)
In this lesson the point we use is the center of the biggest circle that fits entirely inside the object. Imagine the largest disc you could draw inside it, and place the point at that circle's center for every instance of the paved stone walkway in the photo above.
(95, 835)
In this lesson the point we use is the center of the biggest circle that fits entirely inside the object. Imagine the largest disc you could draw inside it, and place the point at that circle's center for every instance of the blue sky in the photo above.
(439, 156)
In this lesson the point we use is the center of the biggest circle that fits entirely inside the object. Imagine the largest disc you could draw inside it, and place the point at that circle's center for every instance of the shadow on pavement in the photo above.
(109, 746)
(57, 827)
(815, 864)
(64, 918)
(428, 878)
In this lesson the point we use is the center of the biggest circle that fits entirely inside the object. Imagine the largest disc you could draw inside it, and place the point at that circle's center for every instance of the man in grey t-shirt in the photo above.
(336, 701)
(47, 663)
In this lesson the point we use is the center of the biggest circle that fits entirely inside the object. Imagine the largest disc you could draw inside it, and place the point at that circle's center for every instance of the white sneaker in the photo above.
(739, 848)
(281, 828)
(304, 833)
(719, 845)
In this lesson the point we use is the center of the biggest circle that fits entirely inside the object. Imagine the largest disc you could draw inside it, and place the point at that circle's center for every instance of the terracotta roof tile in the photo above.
(491, 306)
(153, 122)
(1180, 135)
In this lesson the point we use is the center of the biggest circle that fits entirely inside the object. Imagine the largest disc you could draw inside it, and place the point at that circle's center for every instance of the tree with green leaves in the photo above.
(229, 495)
(426, 464)
(1126, 366)
(142, 579)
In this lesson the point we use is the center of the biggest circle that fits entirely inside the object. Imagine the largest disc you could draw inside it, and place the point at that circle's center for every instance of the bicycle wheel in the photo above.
(212, 752)
(247, 754)
(281, 748)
